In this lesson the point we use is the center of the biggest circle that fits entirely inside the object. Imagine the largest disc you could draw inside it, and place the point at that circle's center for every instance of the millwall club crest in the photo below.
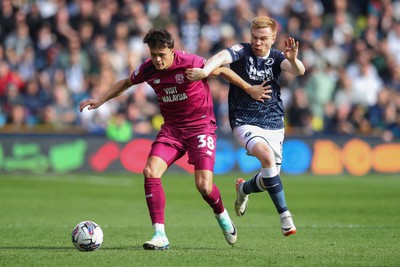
(179, 78)
(269, 61)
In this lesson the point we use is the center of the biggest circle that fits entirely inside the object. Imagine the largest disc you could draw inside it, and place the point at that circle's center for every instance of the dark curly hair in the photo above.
(159, 39)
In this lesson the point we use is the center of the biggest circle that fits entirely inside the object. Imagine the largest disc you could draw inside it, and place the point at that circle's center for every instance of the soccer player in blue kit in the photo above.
(258, 126)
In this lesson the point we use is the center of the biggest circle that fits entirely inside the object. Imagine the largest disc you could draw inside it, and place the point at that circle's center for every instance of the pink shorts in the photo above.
(172, 143)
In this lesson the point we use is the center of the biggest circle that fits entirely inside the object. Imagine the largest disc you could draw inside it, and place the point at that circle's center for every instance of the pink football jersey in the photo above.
(182, 103)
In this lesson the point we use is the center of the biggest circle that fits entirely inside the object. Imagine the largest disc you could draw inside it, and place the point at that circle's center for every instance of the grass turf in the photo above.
(341, 221)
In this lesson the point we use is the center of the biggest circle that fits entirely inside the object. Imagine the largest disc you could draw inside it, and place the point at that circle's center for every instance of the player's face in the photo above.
(162, 58)
(262, 41)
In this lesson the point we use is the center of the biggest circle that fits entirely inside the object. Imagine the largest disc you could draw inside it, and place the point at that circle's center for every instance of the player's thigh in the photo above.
(161, 156)
(201, 150)
(248, 136)
(168, 152)
(168, 145)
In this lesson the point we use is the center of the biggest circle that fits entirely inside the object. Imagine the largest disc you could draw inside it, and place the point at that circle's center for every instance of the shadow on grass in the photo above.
(67, 248)
(35, 248)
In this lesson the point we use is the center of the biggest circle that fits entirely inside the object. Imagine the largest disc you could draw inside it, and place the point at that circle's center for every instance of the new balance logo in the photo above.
(215, 202)
(156, 81)
(274, 185)
(149, 195)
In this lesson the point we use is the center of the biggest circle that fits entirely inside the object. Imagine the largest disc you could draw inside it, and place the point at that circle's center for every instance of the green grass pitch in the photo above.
(341, 221)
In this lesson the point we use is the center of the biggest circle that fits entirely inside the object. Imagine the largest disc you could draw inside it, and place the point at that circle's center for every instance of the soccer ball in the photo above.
(87, 236)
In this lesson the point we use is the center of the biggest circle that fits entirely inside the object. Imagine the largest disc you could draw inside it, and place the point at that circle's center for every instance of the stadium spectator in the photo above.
(375, 112)
(299, 115)
(119, 51)
(96, 121)
(358, 120)
(393, 39)
(329, 122)
(17, 120)
(331, 32)
(279, 10)
(145, 99)
(86, 14)
(64, 112)
(319, 87)
(366, 82)
(7, 76)
(141, 124)
(212, 28)
(62, 27)
(26, 66)
(190, 30)
(241, 20)
(7, 18)
(75, 64)
(86, 34)
(343, 90)
(220, 90)
(35, 99)
(391, 123)
(119, 128)
(45, 45)
(160, 13)
(136, 17)
(205, 8)
(18, 40)
(12, 97)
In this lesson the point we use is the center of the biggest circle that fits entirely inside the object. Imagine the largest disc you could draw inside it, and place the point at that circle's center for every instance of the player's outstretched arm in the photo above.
(292, 64)
(219, 59)
(257, 92)
(117, 89)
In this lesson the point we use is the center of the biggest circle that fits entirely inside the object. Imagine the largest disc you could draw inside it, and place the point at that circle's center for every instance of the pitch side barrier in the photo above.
(321, 155)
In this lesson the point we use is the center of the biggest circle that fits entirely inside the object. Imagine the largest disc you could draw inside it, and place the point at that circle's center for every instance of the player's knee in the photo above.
(150, 172)
(264, 154)
(204, 188)
(266, 160)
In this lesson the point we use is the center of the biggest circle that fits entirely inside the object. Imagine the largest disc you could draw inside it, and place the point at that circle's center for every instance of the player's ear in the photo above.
(273, 39)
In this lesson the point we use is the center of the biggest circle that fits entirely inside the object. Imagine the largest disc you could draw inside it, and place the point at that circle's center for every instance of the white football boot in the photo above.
(158, 242)
(287, 226)
(228, 227)
(241, 199)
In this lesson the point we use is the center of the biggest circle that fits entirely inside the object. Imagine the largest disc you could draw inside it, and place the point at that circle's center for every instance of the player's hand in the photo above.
(291, 48)
(195, 74)
(260, 92)
(90, 103)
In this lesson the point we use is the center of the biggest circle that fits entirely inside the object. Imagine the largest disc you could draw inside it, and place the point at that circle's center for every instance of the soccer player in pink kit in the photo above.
(189, 125)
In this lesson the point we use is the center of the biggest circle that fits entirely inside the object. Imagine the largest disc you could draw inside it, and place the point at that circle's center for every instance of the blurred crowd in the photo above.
(55, 53)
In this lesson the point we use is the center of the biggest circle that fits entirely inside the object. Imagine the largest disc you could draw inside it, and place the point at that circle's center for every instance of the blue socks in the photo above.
(264, 182)
(275, 189)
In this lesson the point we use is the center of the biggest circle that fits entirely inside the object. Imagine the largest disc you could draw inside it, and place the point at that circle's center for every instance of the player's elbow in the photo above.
(216, 72)
(301, 72)
(302, 69)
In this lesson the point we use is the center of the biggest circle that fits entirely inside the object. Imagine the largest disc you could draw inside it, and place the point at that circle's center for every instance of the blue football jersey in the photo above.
(243, 110)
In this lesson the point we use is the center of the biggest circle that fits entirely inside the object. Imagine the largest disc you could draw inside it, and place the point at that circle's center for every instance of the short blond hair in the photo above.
(264, 22)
